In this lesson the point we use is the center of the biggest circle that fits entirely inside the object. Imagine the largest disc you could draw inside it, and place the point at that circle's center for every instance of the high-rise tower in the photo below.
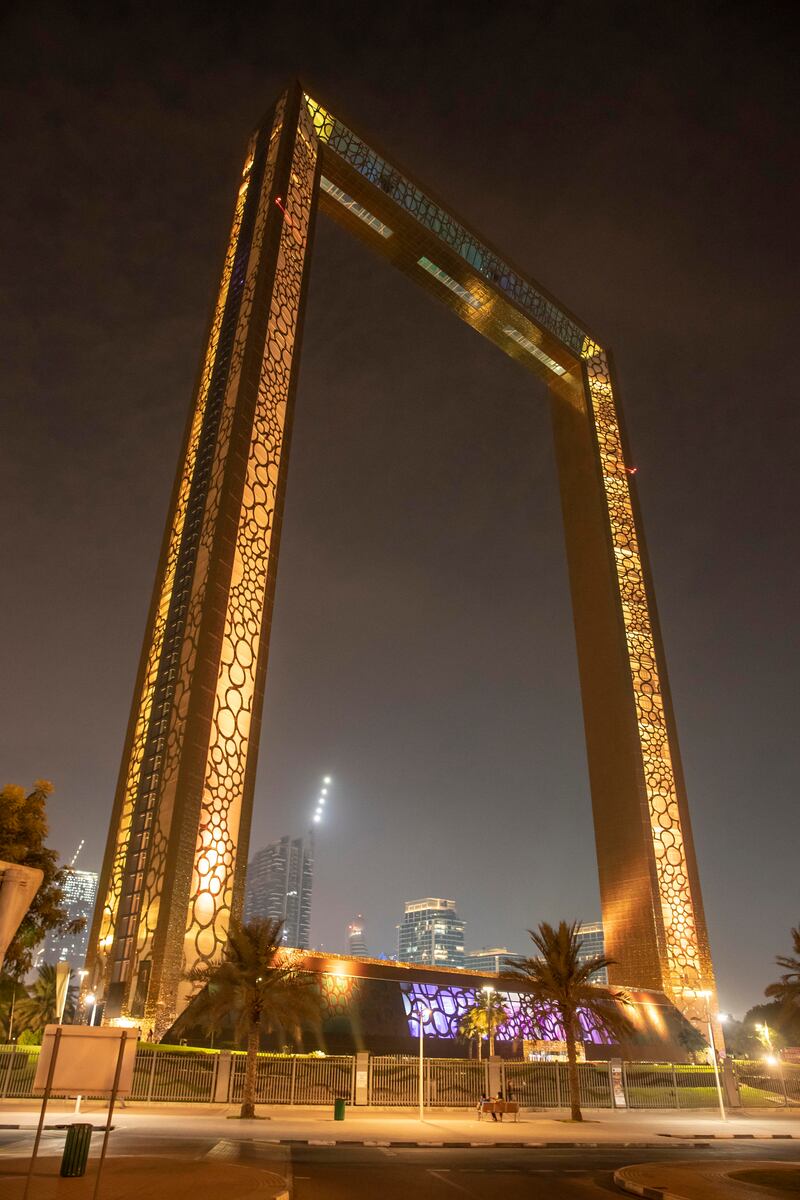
(356, 938)
(173, 874)
(279, 884)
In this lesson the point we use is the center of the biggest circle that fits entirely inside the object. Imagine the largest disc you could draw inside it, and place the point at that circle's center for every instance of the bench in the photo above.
(501, 1107)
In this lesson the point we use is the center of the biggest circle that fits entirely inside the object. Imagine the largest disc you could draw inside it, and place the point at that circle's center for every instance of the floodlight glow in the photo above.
(327, 779)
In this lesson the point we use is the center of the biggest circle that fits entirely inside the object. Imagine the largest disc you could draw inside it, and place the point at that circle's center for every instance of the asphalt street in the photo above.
(340, 1172)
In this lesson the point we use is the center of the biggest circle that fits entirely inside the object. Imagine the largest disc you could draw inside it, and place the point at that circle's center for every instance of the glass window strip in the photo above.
(449, 282)
(533, 349)
(499, 274)
(357, 209)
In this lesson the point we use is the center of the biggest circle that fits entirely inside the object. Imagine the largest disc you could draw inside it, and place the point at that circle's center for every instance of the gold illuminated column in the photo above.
(173, 873)
(653, 918)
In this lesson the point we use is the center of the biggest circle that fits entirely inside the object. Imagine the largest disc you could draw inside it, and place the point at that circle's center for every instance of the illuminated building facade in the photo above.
(357, 938)
(280, 879)
(431, 932)
(173, 875)
(493, 959)
(592, 945)
(80, 893)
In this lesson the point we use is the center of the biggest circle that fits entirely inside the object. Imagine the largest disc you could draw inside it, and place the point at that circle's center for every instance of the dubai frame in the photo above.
(175, 862)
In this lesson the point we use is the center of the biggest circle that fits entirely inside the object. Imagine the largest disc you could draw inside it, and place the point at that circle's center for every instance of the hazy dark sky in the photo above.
(641, 162)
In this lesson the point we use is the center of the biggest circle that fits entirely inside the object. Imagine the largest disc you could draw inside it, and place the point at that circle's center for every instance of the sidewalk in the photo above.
(153, 1177)
(280, 1123)
(703, 1180)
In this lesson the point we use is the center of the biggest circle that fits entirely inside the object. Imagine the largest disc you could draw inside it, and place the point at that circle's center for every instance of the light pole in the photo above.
(423, 1015)
(772, 1059)
(82, 999)
(92, 999)
(706, 994)
(488, 992)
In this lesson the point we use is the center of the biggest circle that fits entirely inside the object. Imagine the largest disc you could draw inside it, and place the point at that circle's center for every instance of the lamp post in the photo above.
(772, 1059)
(92, 999)
(706, 994)
(423, 1015)
(82, 973)
(488, 992)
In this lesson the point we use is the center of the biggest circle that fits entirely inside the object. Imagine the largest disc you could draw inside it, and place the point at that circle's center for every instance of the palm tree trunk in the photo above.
(249, 1094)
(572, 1061)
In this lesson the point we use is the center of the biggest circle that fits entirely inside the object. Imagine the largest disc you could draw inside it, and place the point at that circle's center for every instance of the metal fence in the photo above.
(187, 1075)
(546, 1084)
(289, 1079)
(164, 1074)
(393, 1081)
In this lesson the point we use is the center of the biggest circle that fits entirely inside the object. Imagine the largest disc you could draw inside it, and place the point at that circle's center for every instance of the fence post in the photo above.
(7, 1080)
(222, 1080)
(557, 1066)
(294, 1081)
(675, 1085)
(153, 1056)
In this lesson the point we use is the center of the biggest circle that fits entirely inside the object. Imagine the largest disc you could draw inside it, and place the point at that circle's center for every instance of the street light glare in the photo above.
(90, 999)
(327, 779)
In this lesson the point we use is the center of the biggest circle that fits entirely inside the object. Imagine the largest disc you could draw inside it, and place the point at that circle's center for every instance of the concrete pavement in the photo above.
(310, 1125)
(709, 1180)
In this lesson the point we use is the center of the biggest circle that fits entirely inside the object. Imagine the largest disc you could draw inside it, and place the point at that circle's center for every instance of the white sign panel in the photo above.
(86, 1062)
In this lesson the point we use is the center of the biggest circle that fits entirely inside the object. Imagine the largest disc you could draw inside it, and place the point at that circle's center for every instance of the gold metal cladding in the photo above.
(110, 901)
(686, 972)
(212, 879)
(199, 819)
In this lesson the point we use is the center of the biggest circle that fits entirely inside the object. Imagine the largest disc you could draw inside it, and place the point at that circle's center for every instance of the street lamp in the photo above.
(771, 1058)
(92, 999)
(706, 994)
(424, 1014)
(488, 992)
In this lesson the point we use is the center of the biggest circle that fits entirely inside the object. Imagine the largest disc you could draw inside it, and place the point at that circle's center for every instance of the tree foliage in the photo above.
(484, 1018)
(787, 988)
(23, 832)
(260, 990)
(560, 983)
(38, 1007)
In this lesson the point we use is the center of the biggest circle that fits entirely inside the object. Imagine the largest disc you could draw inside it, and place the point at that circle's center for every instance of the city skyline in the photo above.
(435, 756)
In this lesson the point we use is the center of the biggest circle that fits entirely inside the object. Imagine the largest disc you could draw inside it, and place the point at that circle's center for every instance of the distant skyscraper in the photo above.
(80, 893)
(488, 960)
(431, 932)
(279, 881)
(592, 944)
(356, 938)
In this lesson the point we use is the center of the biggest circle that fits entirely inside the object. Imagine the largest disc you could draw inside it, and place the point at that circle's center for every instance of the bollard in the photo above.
(76, 1150)
(338, 1109)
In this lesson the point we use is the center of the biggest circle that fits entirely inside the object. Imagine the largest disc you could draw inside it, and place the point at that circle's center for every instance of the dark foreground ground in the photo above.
(376, 1173)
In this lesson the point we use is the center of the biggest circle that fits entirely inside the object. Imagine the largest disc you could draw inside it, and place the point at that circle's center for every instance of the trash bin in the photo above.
(76, 1149)
(338, 1109)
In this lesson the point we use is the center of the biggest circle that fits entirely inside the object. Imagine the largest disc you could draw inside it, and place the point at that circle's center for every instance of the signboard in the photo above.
(86, 1062)
(617, 1085)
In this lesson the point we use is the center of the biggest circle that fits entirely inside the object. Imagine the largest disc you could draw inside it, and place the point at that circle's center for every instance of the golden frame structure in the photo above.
(174, 868)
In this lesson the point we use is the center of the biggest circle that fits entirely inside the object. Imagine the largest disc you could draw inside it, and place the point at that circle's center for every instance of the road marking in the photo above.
(440, 1175)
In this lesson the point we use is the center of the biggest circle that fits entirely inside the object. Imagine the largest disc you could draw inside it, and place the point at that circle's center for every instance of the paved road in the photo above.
(482, 1174)
(374, 1173)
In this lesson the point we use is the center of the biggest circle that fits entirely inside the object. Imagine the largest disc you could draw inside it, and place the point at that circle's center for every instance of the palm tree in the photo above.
(473, 1025)
(38, 1007)
(260, 988)
(484, 1018)
(559, 983)
(787, 989)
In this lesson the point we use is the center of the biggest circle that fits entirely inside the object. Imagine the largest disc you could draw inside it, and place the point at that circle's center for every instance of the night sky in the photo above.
(640, 161)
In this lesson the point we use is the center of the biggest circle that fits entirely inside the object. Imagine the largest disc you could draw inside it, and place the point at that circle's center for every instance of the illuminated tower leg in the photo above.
(653, 918)
(173, 873)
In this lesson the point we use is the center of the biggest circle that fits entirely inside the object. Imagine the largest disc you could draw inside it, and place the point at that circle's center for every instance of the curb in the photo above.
(728, 1137)
(371, 1143)
(640, 1189)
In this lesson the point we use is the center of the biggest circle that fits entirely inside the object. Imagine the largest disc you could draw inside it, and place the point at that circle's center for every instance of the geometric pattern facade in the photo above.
(173, 873)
